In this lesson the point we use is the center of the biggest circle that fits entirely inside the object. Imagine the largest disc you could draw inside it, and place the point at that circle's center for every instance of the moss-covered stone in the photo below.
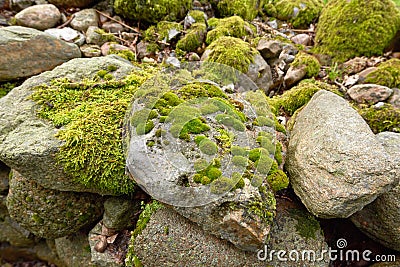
(160, 32)
(232, 52)
(278, 180)
(233, 26)
(347, 29)
(386, 118)
(198, 16)
(386, 74)
(311, 64)
(152, 11)
(298, 96)
(194, 38)
(91, 114)
(247, 9)
(298, 12)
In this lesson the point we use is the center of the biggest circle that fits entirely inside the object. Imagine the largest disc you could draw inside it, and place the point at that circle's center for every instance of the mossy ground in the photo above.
(90, 115)
(247, 9)
(387, 74)
(307, 226)
(232, 52)
(233, 26)
(194, 38)
(347, 29)
(152, 11)
(386, 118)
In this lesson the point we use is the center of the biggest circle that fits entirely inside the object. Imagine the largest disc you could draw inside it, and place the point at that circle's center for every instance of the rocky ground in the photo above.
(320, 164)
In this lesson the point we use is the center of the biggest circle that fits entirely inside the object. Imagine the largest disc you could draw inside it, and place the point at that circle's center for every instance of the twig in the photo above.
(117, 21)
(304, 31)
(270, 29)
(342, 87)
(67, 22)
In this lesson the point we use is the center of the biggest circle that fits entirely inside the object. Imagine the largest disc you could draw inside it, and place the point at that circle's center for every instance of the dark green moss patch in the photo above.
(307, 226)
(386, 118)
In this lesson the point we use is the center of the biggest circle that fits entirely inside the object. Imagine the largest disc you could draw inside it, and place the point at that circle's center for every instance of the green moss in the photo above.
(205, 180)
(144, 128)
(307, 226)
(233, 26)
(200, 165)
(105, 36)
(230, 121)
(278, 180)
(213, 173)
(225, 139)
(144, 218)
(278, 153)
(91, 113)
(239, 151)
(152, 11)
(6, 87)
(208, 147)
(257, 180)
(232, 52)
(247, 9)
(386, 74)
(256, 153)
(307, 11)
(311, 64)
(221, 185)
(197, 90)
(37, 219)
(298, 96)
(266, 142)
(240, 161)
(347, 29)
(263, 209)
(198, 16)
(127, 54)
(263, 164)
(194, 38)
(161, 31)
(386, 118)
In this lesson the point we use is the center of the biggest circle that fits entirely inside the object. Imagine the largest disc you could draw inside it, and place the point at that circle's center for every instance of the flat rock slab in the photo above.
(336, 164)
(26, 52)
(28, 143)
(380, 219)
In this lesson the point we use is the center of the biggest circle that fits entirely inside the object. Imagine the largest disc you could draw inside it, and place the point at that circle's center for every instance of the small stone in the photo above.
(67, 34)
(355, 65)
(119, 212)
(173, 61)
(273, 24)
(269, 48)
(89, 50)
(363, 74)
(85, 18)
(379, 105)
(293, 75)
(40, 17)
(148, 60)
(105, 48)
(302, 39)
(113, 27)
(141, 50)
(194, 57)
(369, 93)
(394, 99)
(94, 37)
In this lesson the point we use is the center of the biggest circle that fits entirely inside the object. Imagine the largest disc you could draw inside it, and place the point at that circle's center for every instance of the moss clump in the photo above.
(230, 121)
(278, 180)
(240, 161)
(347, 29)
(127, 54)
(6, 87)
(160, 33)
(131, 259)
(193, 39)
(198, 16)
(239, 151)
(300, 13)
(208, 147)
(232, 52)
(278, 153)
(298, 96)
(91, 114)
(233, 26)
(387, 74)
(263, 209)
(386, 118)
(197, 90)
(152, 11)
(105, 36)
(222, 185)
(307, 226)
(247, 9)
(311, 64)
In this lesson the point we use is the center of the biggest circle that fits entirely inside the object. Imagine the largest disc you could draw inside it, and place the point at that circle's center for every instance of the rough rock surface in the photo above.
(50, 213)
(269, 48)
(369, 93)
(84, 19)
(294, 74)
(39, 17)
(380, 219)
(67, 34)
(119, 212)
(336, 165)
(394, 99)
(26, 52)
(28, 144)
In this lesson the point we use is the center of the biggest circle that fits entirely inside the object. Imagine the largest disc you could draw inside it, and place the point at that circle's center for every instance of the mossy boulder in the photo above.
(247, 9)
(193, 38)
(152, 11)
(347, 29)
(50, 213)
(386, 74)
(300, 13)
(233, 26)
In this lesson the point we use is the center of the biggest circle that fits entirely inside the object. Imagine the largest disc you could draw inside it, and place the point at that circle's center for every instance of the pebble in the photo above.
(90, 50)
(113, 27)
(40, 17)
(67, 34)
(369, 93)
(173, 61)
(302, 39)
(85, 18)
(93, 37)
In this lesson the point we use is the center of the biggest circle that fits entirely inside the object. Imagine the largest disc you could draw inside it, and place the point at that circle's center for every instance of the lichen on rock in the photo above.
(347, 29)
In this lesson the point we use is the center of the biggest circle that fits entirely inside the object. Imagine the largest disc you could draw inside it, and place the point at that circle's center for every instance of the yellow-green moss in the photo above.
(278, 180)
(311, 64)
(387, 74)
(131, 259)
(105, 36)
(91, 114)
(152, 11)
(198, 16)
(233, 52)
(233, 26)
(298, 96)
(161, 31)
(247, 9)
(264, 209)
(307, 11)
(193, 39)
(386, 118)
(347, 29)
(127, 54)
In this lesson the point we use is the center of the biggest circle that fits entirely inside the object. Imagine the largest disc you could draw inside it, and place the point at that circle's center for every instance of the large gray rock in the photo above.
(26, 52)
(40, 17)
(335, 163)
(50, 213)
(380, 219)
(27, 143)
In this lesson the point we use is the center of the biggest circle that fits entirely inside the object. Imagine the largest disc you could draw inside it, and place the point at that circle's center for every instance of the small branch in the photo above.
(303, 31)
(270, 29)
(117, 21)
(67, 22)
